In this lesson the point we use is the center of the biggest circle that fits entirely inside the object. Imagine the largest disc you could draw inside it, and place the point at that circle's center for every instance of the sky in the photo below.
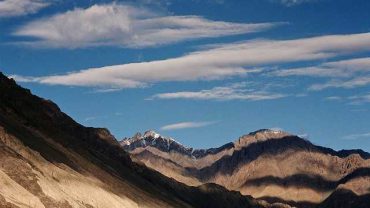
(204, 72)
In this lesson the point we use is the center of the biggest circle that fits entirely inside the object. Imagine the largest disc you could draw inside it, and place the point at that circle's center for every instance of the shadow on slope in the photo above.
(343, 198)
(227, 164)
(298, 204)
(315, 182)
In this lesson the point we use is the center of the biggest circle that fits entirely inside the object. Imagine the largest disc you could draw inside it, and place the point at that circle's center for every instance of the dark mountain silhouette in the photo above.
(343, 198)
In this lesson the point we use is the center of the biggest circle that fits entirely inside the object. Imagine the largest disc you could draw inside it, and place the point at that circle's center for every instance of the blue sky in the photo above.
(203, 72)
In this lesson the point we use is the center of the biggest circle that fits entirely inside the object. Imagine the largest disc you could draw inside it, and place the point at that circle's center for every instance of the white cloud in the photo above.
(315, 71)
(343, 68)
(218, 62)
(356, 71)
(233, 92)
(90, 118)
(360, 99)
(186, 125)
(11, 8)
(294, 2)
(359, 81)
(334, 98)
(357, 136)
(125, 26)
(106, 90)
(353, 100)
(19, 78)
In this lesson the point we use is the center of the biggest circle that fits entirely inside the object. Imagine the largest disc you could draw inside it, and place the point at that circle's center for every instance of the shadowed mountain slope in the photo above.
(49, 160)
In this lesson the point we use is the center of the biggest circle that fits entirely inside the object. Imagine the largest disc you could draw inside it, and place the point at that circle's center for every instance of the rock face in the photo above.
(269, 165)
(49, 160)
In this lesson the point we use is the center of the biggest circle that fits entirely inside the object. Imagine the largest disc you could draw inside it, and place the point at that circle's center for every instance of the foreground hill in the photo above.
(48, 160)
(269, 165)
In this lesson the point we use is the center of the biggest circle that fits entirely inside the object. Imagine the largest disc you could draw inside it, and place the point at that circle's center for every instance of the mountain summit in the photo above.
(166, 144)
(150, 138)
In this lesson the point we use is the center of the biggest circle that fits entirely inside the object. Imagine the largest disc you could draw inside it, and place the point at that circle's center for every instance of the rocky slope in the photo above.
(49, 160)
(274, 166)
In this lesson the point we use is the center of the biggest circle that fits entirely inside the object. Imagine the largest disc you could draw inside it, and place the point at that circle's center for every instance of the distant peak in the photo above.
(166, 144)
(151, 133)
(149, 138)
(260, 136)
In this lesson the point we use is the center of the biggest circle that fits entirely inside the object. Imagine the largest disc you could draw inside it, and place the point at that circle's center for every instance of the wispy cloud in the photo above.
(293, 2)
(343, 68)
(349, 73)
(235, 91)
(186, 125)
(125, 26)
(106, 90)
(357, 136)
(353, 100)
(218, 62)
(20, 78)
(352, 83)
(12, 8)
(334, 98)
(360, 99)
(90, 118)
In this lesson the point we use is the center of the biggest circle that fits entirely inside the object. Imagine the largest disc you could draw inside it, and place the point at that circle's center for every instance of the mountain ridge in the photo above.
(152, 138)
(269, 165)
(150, 135)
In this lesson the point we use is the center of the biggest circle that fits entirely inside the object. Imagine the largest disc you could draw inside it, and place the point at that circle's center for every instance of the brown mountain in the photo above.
(274, 166)
(48, 160)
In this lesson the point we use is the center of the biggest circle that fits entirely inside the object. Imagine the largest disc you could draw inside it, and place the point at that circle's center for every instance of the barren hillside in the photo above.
(49, 160)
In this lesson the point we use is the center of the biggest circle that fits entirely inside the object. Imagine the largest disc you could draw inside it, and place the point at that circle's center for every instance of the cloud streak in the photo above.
(360, 99)
(359, 81)
(357, 136)
(343, 68)
(187, 125)
(235, 91)
(294, 2)
(125, 26)
(12, 8)
(218, 62)
(353, 100)
(349, 73)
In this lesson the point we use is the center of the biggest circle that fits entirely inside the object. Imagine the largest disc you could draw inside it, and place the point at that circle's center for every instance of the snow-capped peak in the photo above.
(151, 133)
(149, 138)
(166, 144)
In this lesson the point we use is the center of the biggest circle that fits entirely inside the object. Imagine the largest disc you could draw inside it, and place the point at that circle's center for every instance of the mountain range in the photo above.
(270, 165)
(49, 160)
